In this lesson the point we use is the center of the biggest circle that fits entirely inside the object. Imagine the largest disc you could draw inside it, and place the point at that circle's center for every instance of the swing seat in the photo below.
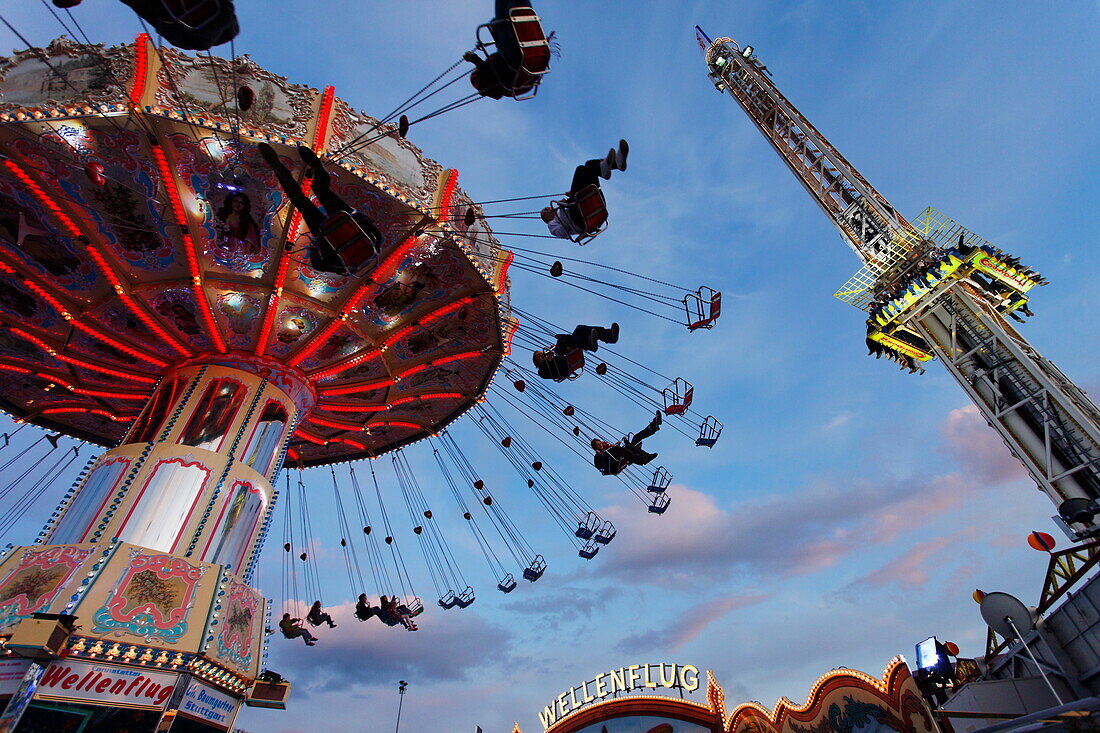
(606, 533)
(192, 14)
(190, 24)
(588, 526)
(589, 550)
(507, 584)
(524, 29)
(678, 396)
(660, 481)
(703, 320)
(660, 504)
(574, 364)
(532, 41)
(709, 431)
(353, 246)
(449, 600)
(535, 570)
(465, 598)
(616, 465)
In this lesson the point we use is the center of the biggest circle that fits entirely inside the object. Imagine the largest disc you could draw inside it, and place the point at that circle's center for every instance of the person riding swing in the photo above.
(613, 458)
(344, 240)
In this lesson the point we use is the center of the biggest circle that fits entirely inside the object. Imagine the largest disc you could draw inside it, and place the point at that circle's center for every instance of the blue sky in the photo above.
(849, 509)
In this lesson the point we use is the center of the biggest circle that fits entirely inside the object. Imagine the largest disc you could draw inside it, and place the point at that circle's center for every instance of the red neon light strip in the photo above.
(90, 330)
(78, 362)
(94, 411)
(429, 319)
(333, 423)
(189, 248)
(319, 133)
(394, 424)
(350, 305)
(437, 362)
(332, 407)
(300, 433)
(355, 443)
(448, 192)
(337, 407)
(395, 257)
(141, 69)
(45, 373)
(348, 389)
(100, 261)
(346, 364)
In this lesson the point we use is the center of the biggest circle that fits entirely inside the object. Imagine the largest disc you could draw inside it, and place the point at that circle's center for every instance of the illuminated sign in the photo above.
(106, 684)
(205, 703)
(624, 679)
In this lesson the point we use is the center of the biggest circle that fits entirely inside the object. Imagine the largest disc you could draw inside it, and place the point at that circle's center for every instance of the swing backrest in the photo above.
(349, 240)
(532, 41)
(593, 207)
(192, 14)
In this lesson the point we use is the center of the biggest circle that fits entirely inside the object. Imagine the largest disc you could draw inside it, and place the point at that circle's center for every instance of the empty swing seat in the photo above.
(709, 431)
(660, 481)
(589, 550)
(449, 600)
(660, 504)
(465, 598)
(535, 570)
(588, 527)
(703, 308)
(606, 533)
(678, 396)
(507, 584)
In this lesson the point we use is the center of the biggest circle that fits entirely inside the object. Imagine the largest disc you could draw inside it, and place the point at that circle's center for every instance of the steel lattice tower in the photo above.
(932, 287)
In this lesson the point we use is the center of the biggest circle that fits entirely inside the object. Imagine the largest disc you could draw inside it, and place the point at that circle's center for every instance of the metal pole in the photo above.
(1033, 660)
(400, 701)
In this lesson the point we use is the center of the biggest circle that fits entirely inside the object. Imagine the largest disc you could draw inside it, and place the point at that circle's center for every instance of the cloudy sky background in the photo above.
(849, 509)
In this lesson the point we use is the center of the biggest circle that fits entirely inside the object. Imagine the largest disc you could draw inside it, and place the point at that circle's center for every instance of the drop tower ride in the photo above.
(932, 288)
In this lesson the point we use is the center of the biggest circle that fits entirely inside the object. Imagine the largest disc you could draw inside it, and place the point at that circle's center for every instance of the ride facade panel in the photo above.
(158, 298)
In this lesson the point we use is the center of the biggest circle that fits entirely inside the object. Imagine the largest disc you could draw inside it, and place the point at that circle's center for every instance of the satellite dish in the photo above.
(1003, 611)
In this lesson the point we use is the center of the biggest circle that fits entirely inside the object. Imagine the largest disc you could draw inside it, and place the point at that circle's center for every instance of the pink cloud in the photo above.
(688, 624)
(810, 529)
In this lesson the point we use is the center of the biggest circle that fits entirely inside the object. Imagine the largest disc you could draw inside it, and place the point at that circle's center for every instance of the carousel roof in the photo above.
(140, 228)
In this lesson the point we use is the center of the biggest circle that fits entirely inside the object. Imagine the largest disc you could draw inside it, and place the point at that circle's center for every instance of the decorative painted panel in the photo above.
(33, 579)
(238, 638)
(153, 596)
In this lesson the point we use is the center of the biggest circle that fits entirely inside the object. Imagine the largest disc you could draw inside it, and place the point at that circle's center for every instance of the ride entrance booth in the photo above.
(675, 698)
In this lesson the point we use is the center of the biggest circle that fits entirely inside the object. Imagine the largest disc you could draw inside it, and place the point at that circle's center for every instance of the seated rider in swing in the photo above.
(317, 616)
(323, 255)
(500, 74)
(292, 629)
(393, 613)
(567, 354)
(364, 611)
(567, 220)
(611, 459)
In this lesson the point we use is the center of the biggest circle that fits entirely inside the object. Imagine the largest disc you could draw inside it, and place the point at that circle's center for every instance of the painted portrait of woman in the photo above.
(237, 228)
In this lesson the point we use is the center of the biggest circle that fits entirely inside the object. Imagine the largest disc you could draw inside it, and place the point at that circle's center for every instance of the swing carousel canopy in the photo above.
(140, 230)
